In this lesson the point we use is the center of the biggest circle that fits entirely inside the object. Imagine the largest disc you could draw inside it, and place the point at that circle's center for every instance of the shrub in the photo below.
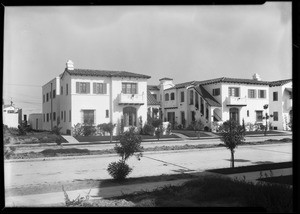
(8, 151)
(21, 130)
(158, 131)
(56, 130)
(88, 130)
(107, 127)
(156, 123)
(148, 129)
(77, 130)
(119, 170)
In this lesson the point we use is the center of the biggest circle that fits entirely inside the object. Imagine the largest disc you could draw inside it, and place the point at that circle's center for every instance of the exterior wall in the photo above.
(283, 106)
(252, 104)
(65, 105)
(32, 120)
(12, 119)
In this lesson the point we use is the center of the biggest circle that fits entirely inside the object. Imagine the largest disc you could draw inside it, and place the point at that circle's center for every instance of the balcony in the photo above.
(131, 99)
(236, 101)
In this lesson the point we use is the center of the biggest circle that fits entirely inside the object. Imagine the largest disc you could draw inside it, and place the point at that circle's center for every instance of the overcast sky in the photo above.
(181, 42)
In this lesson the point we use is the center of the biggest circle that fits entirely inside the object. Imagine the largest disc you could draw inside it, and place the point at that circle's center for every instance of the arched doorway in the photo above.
(129, 114)
(234, 114)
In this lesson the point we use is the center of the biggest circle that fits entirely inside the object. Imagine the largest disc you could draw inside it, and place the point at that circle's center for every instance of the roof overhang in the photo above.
(236, 105)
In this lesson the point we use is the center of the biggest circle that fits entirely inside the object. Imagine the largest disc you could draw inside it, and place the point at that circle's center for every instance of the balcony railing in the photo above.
(137, 99)
(236, 101)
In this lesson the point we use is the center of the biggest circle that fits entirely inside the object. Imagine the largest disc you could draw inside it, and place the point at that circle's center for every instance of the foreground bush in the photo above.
(119, 170)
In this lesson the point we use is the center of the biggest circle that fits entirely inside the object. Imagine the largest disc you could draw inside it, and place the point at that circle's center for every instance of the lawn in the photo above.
(107, 138)
(287, 179)
(215, 191)
(258, 133)
(191, 133)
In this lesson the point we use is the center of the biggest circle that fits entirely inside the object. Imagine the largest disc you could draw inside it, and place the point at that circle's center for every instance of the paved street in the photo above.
(26, 173)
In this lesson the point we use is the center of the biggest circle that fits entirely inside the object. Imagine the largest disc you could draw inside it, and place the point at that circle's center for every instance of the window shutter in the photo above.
(104, 88)
(77, 87)
(88, 88)
(94, 88)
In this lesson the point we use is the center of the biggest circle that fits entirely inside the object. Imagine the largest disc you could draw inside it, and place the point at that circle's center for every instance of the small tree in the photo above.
(232, 136)
(157, 124)
(130, 143)
(108, 127)
(197, 126)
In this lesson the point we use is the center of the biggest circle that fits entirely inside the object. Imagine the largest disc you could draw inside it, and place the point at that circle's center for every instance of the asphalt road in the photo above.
(144, 144)
(23, 174)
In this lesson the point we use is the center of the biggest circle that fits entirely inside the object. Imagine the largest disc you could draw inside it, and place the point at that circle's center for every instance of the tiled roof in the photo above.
(152, 87)
(234, 80)
(279, 82)
(183, 85)
(105, 73)
(151, 100)
(206, 96)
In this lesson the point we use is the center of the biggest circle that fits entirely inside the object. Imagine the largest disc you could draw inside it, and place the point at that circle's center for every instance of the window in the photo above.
(62, 115)
(193, 116)
(47, 117)
(54, 116)
(261, 93)
(275, 116)
(54, 93)
(216, 92)
(107, 113)
(275, 96)
(172, 96)
(129, 114)
(61, 90)
(207, 112)
(88, 116)
(67, 90)
(47, 97)
(201, 106)
(234, 92)
(182, 96)
(65, 116)
(191, 97)
(259, 116)
(129, 88)
(196, 100)
(251, 93)
(43, 98)
(69, 115)
(99, 88)
(167, 97)
(247, 113)
(155, 96)
(82, 87)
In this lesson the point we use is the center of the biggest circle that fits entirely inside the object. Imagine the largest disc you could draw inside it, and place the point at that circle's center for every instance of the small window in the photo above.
(275, 116)
(70, 116)
(64, 116)
(54, 93)
(247, 113)
(275, 96)
(259, 116)
(61, 90)
(47, 97)
(47, 117)
(275, 127)
(67, 90)
(107, 113)
(182, 96)
(167, 97)
(261, 93)
(251, 93)
(191, 97)
(234, 92)
(54, 116)
(216, 91)
(172, 96)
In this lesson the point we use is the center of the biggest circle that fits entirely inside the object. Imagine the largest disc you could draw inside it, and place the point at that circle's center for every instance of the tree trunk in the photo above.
(232, 159)
(111, 137)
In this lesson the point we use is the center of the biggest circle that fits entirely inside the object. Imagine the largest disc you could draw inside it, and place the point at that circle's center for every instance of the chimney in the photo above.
(256, 77)
(70, 65)
(166, 83)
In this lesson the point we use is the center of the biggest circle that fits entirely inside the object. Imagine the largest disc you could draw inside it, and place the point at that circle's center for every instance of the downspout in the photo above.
(51, 114)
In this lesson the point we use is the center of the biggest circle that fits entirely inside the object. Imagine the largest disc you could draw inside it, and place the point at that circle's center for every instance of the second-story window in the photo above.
(275, 96)
(216, 91)
(172, 96)
(182, 96)
(54, 93)
(234, 92)
(166, 97)
(201, 105)
(129, 88)
(82, 87)
(251, 93)
(261, 93)
(47, 97)
(99, 88)
(67, 90)
(191, 97)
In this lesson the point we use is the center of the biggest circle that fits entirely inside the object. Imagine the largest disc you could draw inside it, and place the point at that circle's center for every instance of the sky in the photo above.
(185, 43)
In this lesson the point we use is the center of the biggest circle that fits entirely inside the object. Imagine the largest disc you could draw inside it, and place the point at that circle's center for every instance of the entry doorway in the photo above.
(171, 118)
(234, 115)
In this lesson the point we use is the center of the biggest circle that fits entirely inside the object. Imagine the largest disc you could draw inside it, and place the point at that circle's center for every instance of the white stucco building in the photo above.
(12, 116)
(94, 97)
(221, 99)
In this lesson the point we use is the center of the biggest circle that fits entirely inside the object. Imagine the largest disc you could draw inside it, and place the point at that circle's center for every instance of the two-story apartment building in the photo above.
(94, 97)
(222, 99)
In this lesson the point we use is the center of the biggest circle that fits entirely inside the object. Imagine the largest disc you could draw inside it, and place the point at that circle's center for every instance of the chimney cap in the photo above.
(256, 77)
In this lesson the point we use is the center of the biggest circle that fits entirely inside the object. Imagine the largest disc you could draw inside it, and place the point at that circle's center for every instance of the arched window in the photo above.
(172, 96)
(166, 97)
(129, 114)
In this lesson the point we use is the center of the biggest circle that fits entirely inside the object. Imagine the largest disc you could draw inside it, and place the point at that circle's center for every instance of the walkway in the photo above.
(70, 139)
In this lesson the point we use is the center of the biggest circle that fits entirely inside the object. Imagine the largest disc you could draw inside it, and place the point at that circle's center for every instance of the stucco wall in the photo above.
(36, 121)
